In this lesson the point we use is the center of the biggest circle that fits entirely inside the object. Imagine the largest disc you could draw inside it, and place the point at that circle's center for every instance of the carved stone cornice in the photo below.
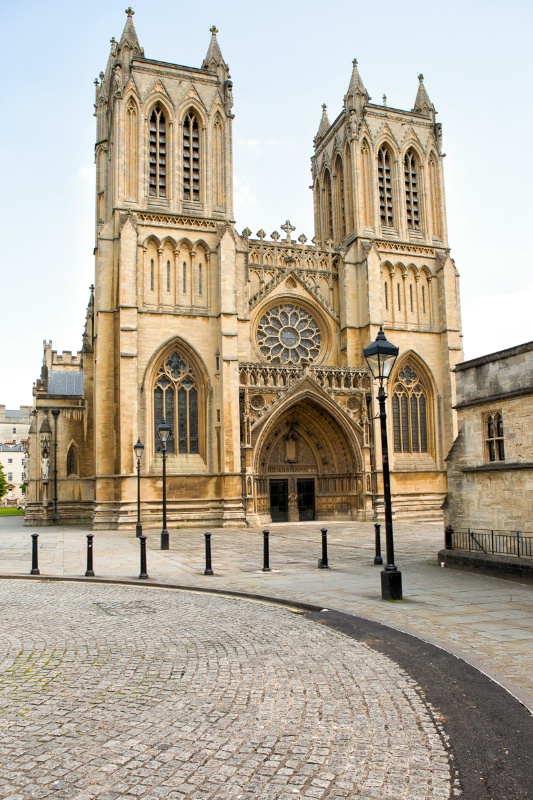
(176, 220)
(403, 247)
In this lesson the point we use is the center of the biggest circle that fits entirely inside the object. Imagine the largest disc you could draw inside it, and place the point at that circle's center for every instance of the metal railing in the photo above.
(492, 542)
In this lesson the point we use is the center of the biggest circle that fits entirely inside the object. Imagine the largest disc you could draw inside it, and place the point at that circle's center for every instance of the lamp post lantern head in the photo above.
(138, 449)
(164, 431)
(380, 356)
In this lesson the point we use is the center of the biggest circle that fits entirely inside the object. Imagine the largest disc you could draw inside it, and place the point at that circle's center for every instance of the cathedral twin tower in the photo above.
(251, 349)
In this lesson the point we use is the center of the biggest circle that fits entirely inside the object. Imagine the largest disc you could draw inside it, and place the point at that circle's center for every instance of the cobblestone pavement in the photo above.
(110, 691)
(485, 620)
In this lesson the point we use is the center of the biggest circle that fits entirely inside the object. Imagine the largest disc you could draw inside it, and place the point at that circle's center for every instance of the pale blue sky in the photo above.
(286, 59)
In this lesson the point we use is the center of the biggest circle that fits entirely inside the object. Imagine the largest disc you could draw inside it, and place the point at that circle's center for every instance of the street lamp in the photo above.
(380, 357)
(138, 449)
(164, 431)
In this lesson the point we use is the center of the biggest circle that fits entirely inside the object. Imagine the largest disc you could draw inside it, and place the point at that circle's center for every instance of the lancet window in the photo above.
(385, 187)
(158, 153)
(176, 402)
(410, 413)
(494, 438)
(72, 461)
(410, 169)
(191, 158)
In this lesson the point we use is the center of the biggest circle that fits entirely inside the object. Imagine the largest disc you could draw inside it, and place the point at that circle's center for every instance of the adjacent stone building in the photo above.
(14, 427)
(250, 346)
(490, 466)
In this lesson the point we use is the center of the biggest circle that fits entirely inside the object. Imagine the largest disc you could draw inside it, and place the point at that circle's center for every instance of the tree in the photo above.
(3, 482)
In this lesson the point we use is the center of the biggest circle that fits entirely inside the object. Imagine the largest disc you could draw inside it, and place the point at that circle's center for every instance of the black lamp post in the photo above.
(164, 431)
(55, 414)
(138, 449)
(380, 357)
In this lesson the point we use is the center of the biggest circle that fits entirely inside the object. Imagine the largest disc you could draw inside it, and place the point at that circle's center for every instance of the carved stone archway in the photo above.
(305, 466)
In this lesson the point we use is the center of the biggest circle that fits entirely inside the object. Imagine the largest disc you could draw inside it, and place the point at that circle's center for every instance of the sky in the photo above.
(286, 59)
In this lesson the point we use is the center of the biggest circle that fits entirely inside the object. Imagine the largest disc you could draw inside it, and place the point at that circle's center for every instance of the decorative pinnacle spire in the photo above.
(356, 88)
(214, 54)
(129, 11)
(423, 104)
(324, 126)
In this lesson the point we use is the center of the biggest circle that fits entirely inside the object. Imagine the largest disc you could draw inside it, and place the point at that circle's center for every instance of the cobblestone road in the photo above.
(114, 691)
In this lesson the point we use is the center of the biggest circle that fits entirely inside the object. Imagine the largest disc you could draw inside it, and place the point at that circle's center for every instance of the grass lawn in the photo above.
(11, 512)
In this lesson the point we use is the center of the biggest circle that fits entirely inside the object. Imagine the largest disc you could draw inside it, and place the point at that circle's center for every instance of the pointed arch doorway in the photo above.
(307, 466)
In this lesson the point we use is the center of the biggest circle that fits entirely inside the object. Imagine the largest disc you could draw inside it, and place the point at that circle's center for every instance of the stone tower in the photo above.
(250, 347)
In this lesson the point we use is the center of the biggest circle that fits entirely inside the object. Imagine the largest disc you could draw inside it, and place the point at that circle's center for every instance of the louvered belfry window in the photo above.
(385, 188)
(411, 191)
(158, 153)
(191, 158)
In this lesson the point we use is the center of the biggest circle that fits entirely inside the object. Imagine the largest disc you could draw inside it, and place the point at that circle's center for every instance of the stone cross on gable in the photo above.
(288, 228)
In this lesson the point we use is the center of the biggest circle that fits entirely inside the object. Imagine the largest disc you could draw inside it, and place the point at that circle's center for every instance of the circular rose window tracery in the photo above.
(288, 334)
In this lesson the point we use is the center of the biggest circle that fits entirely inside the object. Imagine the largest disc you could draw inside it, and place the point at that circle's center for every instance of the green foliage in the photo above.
(11, 512)
(3, 482)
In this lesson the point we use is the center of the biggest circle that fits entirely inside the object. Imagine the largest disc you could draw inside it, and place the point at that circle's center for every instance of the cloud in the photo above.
(260, 146)
(243, 196)
(493, 322)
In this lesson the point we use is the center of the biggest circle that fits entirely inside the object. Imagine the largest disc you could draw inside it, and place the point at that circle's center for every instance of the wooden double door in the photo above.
(284, 507)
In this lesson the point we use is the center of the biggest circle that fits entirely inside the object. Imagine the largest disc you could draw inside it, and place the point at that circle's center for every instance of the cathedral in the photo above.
(250, 346)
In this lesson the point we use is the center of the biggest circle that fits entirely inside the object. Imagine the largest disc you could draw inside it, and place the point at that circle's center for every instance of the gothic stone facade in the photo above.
(490, 466)
(250, 347)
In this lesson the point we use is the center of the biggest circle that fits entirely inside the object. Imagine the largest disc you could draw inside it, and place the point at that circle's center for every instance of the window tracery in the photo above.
(158, 153)
(176, 402)
(385, 187)
(191, 158)
(410, 167)
(410, 413)
(289, 334)
(494, 438)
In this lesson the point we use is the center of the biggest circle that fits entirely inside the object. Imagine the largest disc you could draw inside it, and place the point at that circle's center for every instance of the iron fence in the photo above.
(493, 542)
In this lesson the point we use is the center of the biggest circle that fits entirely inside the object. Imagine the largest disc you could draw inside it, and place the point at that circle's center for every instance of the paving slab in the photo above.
(484, 619)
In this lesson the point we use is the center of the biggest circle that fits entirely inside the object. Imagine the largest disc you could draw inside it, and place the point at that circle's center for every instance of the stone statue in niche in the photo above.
(291, 447)
(45, 467)
(25, 468)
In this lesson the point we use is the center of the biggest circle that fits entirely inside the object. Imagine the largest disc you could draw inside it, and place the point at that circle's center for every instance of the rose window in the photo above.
(288, 334)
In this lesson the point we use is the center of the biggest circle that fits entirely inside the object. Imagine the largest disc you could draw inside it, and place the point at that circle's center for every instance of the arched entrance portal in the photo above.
(307, 466)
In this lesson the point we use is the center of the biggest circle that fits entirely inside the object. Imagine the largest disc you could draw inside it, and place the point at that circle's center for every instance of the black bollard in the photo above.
(323, 562)
(448, 533)
(377, 559)
(143, 573)
(266, 556)
(34, 555)
(89, 573)
(208, 567)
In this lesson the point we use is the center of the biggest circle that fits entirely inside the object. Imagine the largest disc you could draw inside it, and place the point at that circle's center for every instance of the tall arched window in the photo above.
(176, 402)
(191, 158)
(326, 207)
(218, 163)
(131, 145)
(410, 169)
(435, 196)
(348, 188)
(339, 210)
(385, 187)
(158, 153)
(494, 438)
(410, 413)
(366, 184)
(72, 461)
